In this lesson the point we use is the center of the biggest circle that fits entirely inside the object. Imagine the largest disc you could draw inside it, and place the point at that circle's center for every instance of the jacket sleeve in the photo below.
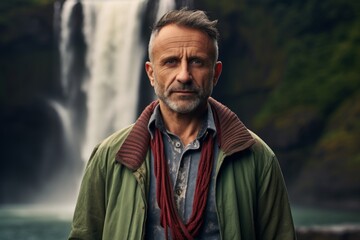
(274, 213)
(89, 212)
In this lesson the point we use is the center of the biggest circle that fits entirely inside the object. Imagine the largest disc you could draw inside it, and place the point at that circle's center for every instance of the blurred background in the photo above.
(71, 73)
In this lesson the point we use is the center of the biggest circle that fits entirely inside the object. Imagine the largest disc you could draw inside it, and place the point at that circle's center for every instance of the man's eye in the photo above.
(170, 62)
(196, 62)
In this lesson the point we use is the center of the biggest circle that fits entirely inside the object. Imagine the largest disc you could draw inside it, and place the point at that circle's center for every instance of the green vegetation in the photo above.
(322, 68)
(27, 50)
(303, 58)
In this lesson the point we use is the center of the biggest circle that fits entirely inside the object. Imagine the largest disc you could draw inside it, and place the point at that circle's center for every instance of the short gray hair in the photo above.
(195, 19)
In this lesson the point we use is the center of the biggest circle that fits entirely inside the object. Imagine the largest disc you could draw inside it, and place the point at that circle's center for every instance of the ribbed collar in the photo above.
(232, 135)
(156, 121)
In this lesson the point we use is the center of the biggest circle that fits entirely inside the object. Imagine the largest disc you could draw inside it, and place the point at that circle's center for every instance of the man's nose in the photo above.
(184, 74)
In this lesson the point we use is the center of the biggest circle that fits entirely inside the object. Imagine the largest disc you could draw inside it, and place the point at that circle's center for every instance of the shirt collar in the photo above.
(156, 121)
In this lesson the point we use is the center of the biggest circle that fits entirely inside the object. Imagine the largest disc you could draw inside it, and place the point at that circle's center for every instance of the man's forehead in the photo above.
(173, 36)
(184, 41)
(173, 30)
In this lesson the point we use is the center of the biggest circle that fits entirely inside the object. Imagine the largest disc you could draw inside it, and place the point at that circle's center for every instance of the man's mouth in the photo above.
(184, 91)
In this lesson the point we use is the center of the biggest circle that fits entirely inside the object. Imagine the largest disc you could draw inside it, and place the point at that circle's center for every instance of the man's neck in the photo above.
(185, 126)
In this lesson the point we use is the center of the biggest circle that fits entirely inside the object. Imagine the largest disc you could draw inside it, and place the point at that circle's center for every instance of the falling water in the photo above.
(102, 54)
(113, 62)
(112, 67)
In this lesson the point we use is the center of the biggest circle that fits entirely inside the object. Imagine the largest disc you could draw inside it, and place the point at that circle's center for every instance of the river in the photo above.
(53, 222)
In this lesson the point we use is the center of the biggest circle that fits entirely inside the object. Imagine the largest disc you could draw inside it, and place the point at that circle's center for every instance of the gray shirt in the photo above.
(183, 164)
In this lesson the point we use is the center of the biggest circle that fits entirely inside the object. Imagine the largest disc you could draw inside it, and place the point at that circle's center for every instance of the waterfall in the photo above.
(102, 61)
(114, 60)
(111, 71)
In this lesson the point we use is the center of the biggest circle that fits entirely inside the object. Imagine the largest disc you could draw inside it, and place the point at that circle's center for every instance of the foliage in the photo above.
(294, 66)
(323, 58)
(12, 17)
(336, 157)
(26, 46)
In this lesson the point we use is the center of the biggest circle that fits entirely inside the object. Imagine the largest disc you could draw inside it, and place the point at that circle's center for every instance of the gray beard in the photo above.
(192, 106)
(194, 103)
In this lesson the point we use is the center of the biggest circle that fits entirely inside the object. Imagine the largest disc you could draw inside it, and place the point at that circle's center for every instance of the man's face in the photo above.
(183, 70)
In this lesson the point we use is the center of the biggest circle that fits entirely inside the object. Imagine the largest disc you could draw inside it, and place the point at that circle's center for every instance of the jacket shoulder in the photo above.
(263, 157)
(260, 146)
(107, 148)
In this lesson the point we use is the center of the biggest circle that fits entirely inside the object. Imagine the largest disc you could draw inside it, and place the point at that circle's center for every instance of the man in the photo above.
(188, 168)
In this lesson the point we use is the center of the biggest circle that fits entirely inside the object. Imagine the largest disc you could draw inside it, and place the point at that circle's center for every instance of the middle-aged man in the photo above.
(187, 168)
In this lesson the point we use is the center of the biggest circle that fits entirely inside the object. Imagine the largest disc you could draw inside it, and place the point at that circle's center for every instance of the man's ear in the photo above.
(150, 72)
(217, 73)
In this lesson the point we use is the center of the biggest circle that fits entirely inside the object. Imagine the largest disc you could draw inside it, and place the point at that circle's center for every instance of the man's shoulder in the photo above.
(260, 146)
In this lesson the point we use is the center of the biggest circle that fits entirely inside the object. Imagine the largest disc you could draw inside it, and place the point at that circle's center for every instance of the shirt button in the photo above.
(178, 191)
(177, 144)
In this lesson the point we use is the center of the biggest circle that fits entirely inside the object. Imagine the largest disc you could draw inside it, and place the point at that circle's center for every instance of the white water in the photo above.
(113, 63)
(66, 54)
(65, 120)
(114, 60)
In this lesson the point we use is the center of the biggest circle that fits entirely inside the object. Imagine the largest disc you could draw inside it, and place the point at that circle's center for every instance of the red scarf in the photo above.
(169, 216)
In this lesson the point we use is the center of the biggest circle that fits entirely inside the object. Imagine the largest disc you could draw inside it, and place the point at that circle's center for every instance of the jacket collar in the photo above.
(232, 135)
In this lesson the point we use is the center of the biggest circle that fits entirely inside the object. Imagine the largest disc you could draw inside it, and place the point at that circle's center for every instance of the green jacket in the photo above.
(251, 196)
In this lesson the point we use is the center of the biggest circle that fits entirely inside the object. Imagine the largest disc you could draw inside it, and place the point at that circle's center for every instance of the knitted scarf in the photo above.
(169, 216)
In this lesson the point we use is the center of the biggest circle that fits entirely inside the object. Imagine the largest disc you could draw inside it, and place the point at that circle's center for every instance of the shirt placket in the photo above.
(182, 175)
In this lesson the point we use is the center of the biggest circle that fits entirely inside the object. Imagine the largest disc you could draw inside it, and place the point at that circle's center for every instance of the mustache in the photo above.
(183, 87)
